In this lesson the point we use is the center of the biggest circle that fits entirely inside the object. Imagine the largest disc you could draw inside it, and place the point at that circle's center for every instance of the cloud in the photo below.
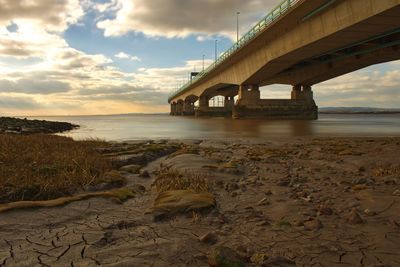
(17, 103)
(123, 55)
(48, 14)
(177, 18)
(33, 86)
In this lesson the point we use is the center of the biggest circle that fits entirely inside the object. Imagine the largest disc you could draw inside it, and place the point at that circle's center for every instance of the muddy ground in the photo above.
(299, 202)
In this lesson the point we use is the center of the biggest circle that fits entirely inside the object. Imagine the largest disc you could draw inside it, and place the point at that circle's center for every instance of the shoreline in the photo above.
(12, 125)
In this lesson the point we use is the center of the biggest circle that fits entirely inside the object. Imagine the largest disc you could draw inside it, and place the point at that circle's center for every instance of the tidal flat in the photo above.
(239, 202)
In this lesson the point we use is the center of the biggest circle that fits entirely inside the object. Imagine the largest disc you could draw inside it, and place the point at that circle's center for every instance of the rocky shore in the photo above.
(273, 202)
(24, 126)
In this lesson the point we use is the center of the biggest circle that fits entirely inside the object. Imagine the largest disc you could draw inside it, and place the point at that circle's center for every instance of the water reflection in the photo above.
(123, 127)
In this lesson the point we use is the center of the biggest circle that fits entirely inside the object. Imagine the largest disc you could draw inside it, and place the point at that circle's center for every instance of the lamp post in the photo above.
(237, 26)
(216, 48)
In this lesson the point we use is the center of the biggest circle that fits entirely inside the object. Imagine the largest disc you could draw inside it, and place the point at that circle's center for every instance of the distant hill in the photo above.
(358, 110)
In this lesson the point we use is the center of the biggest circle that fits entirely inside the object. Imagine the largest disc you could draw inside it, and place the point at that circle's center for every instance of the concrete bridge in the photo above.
(300, 43)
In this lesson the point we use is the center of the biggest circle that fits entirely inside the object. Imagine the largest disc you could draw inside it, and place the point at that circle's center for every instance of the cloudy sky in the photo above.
(71, 57)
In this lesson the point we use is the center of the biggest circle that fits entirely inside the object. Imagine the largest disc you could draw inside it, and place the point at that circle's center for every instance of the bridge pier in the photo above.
(229, 103)
(173, 109)
(300, 106)
(179, 108)
(188, 108)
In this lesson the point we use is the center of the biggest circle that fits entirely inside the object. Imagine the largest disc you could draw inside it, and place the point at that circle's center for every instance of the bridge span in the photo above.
(300, 44)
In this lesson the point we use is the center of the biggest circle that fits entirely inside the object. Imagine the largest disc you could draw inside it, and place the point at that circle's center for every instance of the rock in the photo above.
(390, 180)
(278, 261)
(325, 211)
(224, 257)
(133, 168)
(396, 193)
(283, 182)
(210, 238)
(313, 225)
(362, 180)
(182, 201)
(298, 223)
(144, 174)
(263, 201)
(354, 217)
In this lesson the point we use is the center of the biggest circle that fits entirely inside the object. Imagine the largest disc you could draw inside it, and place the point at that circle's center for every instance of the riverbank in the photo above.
(10, 125)
(276, 202)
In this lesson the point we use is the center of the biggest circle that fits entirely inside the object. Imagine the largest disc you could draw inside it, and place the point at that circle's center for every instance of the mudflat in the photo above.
(251, 202)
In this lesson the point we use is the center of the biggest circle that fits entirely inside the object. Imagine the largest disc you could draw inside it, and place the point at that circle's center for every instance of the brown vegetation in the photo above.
(41, 167)
(173, 180)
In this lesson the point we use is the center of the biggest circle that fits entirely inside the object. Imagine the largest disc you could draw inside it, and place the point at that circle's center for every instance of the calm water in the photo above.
(129, 127)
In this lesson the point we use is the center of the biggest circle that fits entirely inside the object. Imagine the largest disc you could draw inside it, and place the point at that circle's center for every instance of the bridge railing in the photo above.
(276, 13)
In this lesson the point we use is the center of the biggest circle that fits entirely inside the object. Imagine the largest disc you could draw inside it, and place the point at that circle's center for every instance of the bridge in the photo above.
(300, 44)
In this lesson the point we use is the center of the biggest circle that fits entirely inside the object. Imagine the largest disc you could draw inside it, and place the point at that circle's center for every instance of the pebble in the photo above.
(209, 238)
(263, 201)
(313, 225)
(354, 217)
(224, 256)
(144, 174)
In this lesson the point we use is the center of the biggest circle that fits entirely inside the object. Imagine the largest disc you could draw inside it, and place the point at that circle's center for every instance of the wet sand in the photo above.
(279, 202)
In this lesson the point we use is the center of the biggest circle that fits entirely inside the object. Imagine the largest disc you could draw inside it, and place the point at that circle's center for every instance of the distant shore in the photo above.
(10, 125)
(358, 113)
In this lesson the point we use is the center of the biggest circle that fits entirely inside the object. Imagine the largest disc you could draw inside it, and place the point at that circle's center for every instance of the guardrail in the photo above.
(277, 12)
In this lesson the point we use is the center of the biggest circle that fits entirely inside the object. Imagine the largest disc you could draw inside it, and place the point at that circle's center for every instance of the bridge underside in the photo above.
(348, 36)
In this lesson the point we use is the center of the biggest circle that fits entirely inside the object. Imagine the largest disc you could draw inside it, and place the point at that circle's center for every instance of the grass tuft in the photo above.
(173, 180)
(42, 167)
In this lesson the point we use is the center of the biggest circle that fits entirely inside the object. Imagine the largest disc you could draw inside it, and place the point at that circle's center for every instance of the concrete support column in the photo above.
(308, 94)
(229, 103)
(203, 102)
(173, 109)
(248, 95)
(179, 108)
(188, 108)
(297, 94)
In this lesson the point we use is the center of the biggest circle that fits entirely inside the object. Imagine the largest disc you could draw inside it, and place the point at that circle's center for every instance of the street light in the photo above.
(237, 26)
(216, 48)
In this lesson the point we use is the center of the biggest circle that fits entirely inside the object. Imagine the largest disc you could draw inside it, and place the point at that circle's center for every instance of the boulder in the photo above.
(224, 257)
(177, 201)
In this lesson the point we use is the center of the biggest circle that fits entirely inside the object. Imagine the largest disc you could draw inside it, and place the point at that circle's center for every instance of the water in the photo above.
(133, 127)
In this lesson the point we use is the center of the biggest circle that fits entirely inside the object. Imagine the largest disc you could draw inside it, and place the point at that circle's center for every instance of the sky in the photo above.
(81, 57)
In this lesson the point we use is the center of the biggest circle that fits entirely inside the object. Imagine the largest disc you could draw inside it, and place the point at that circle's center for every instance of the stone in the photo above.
(144, 174)
(283, 182)
(362, 180)
(313, 225)
(177, 201)
(278, 261)
(224, 257)
(354, 217)
(396, 193)
(133, 168)
(263, 201)
(325, 211)
(210, 238)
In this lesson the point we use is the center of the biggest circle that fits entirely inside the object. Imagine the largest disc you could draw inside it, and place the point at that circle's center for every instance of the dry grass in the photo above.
(41, 167)
(172, 180)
